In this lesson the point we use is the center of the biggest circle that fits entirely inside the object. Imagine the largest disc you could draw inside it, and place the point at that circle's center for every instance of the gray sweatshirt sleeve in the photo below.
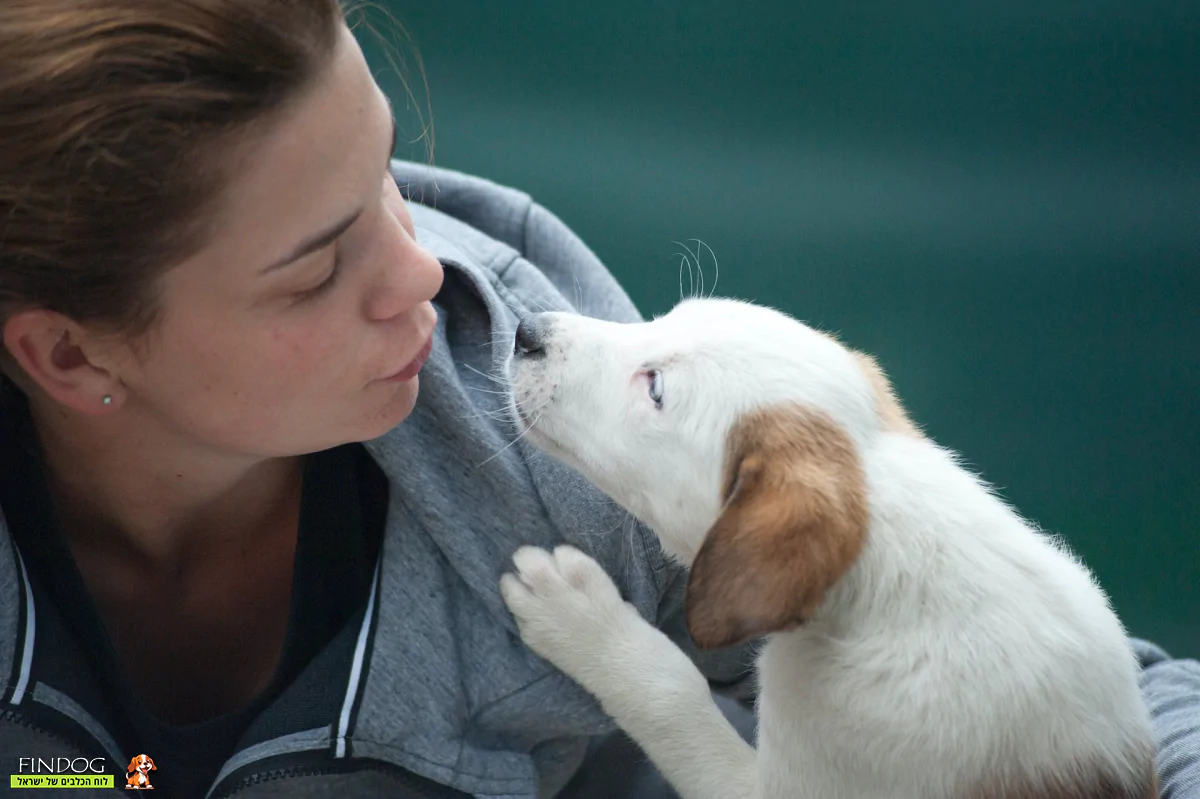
(1171, 689)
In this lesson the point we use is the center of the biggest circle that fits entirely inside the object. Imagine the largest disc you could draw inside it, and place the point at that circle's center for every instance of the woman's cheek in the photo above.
(301, 354)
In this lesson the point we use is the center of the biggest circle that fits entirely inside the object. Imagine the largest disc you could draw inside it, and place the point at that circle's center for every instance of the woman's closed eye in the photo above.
(339, 246)
(328, 282)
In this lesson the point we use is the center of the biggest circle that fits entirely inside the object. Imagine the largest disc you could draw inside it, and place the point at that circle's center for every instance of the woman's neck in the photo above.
(126, 485)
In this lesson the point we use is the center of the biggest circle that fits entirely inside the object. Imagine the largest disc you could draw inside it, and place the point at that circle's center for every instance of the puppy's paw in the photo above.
(566, 606)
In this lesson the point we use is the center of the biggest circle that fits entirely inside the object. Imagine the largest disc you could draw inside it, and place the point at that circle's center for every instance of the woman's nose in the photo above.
(408, 275)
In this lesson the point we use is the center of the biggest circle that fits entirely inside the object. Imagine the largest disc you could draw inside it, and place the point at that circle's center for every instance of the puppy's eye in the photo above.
(656, 387)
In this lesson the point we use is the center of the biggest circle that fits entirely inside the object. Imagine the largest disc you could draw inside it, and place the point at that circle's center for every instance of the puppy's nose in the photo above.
(531, 336)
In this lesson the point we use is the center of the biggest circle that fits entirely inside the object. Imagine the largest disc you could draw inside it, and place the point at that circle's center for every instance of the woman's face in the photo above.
(302, 323)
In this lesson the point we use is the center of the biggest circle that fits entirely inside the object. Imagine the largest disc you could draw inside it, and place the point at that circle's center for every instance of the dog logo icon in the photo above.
(137, 774)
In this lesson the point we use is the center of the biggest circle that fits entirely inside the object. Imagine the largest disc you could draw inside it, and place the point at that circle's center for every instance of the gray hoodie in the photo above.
(432, 678)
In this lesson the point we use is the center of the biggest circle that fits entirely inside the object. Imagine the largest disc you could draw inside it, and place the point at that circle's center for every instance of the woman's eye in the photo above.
(325, 284)
(656, 387)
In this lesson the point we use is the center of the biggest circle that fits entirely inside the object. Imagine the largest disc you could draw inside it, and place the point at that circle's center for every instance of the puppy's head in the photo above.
(732, 430)
(141, 763)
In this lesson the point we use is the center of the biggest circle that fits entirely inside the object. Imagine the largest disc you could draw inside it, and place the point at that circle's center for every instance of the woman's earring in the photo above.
(107, 399)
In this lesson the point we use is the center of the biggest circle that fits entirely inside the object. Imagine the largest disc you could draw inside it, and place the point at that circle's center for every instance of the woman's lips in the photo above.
(414, 366)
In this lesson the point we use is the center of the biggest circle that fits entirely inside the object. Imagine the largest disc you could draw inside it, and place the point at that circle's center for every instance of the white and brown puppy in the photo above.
(923, 641)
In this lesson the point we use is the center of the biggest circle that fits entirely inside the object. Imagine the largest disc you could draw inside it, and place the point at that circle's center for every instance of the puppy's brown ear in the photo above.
(794, 520)
(132, 765)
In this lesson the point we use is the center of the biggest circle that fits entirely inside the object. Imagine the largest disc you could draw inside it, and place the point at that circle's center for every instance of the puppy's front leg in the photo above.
(570, 612)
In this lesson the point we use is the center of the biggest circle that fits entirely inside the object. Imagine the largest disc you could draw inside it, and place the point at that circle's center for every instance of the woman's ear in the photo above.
(795, 519)
(49, 350)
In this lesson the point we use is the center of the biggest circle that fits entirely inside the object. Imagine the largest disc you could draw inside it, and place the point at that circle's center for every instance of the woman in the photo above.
(239, 544)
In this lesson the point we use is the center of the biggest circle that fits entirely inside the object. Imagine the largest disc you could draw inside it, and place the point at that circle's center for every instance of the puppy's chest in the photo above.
(803, 673)
(818, 689)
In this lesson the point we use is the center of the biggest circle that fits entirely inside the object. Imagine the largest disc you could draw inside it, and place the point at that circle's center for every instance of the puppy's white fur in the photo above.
(956, 652)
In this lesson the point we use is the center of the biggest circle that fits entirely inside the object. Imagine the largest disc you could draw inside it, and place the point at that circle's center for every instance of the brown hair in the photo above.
(112, 117)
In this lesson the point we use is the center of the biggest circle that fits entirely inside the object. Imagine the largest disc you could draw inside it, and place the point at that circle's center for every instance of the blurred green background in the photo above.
(1001, 200)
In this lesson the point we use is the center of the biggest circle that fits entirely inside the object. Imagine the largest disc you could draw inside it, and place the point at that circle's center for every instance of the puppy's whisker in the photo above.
(681, 297)
(716, 267)
(687, 255)
(539, 408)
(512, 416)
(516, 438)
(499, 416)
(488, 391)
(502, 450)
(493, 378)
(534, 453)
(497, 338)
(538, 304)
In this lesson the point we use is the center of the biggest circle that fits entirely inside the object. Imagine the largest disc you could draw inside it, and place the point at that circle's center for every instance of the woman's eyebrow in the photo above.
(314, 243)
(327, 237)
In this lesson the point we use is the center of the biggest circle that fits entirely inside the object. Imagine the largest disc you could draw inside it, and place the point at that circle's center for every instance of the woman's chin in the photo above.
(396, 408)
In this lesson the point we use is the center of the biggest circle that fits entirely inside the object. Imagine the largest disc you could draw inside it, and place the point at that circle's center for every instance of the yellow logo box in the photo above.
(60, 781)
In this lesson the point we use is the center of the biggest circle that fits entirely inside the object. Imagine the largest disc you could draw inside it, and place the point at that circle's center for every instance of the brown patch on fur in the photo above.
(795, 519)
(892, 416)
(1097, 784)
(891, 413)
